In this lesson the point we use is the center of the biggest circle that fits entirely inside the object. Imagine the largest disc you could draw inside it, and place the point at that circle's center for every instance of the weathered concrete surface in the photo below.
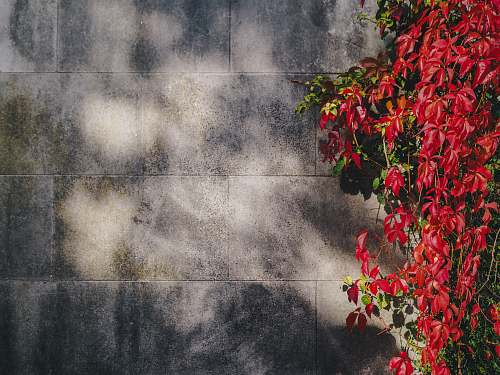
(28, 35)
(27, 225)
(294, 228)
(344, 352)
(128, 228)
(162, 210)
(69, 123)
(100, 121)
(144, 35)
(298, 36)
(157, 328)
(220, 124)
(29, 126)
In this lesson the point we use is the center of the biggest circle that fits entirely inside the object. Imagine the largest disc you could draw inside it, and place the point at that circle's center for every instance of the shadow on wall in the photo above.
(189, 35)
(286, 227)
(187, 125)
(144, 36)
(181, 328)
(192, 228)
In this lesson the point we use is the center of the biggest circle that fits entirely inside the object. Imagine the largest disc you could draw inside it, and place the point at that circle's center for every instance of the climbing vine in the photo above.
(424, 116)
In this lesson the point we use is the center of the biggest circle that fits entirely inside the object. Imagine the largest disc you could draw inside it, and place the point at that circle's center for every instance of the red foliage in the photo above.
(401, 365)
(359, 316)
(439, 190)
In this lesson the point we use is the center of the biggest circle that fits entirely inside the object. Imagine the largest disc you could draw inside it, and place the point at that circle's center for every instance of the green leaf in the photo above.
(398, 318)
(381, 199)
(366, 299)
(337, 169)
(376, 183)
(348, 280)
(382, 301)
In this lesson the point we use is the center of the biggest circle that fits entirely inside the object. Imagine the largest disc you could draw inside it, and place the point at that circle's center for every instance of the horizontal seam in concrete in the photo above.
(55, 280)
(234, 73)
(165, 175)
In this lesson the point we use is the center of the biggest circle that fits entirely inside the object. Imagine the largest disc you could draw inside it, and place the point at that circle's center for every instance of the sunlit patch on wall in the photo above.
(96, 229)
(110, 124)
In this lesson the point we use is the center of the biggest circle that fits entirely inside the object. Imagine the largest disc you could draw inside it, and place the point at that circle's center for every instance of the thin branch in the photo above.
(491, 263)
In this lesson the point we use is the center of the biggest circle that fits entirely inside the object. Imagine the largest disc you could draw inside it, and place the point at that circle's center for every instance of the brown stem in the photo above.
(385, 153)
(491, 263)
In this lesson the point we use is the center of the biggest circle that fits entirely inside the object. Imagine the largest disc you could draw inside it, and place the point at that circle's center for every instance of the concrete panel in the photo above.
(214, 124)
(181, 228)
(28, 35)
(272, 328)
(154, 228)
(230, 328)
(144, 36)
(100, 119)
(69, 124)
(157, 328)
(24, 326)
(344, 352)
(29, 125)
(298, 36)
(26, 227)
(94, 221)
(294, 228)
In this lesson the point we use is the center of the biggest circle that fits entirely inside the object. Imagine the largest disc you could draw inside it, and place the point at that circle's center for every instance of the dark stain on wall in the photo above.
(75, 43)
(145, 56)
(21, 29)
(26, 221)
(128, 317)
(31, 30)
(139, 328)
(8, 357)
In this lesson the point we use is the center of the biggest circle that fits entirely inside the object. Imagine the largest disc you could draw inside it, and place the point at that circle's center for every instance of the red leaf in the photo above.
(361, 322)
(374, 272)
(384, 285)
(401, 365)
(325, 118)
(351, 318)
(475, 309)
(323, 121)
(361, 239)
(394, 180)
(352, 294)
(369, 309)
(355, 157)
(482, 71)
(466, 66)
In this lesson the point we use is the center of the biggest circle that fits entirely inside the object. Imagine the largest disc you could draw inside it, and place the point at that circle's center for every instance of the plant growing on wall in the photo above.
(424, 116)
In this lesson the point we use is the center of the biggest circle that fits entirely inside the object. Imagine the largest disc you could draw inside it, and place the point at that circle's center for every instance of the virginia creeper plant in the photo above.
(424, 116)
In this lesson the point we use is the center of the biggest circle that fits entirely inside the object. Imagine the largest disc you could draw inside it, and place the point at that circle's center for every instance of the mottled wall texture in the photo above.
(162, 210)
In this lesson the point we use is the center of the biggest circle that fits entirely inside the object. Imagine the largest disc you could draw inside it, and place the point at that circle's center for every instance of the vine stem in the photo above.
(409, 173)
(385, 153)
(491, 263)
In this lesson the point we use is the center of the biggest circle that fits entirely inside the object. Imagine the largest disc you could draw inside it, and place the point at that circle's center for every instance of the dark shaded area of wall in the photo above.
(162, 210)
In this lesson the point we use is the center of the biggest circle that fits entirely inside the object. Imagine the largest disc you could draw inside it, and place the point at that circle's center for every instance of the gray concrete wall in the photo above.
(162, 210)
